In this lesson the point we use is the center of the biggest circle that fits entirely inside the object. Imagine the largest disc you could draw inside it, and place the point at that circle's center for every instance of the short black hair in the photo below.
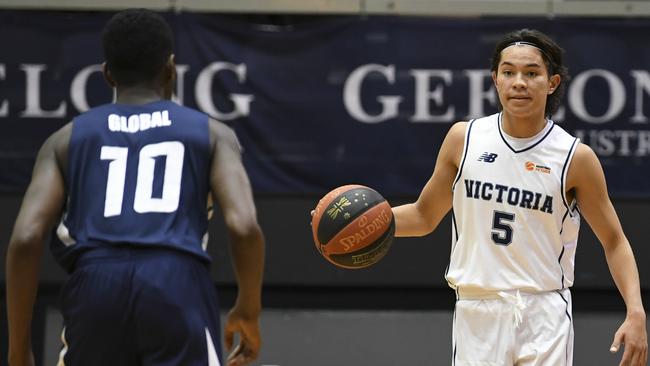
(551, 54)
(137, 44)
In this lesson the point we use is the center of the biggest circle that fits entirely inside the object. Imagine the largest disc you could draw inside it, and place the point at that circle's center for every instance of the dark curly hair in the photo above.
(551, 54)
(137, 44)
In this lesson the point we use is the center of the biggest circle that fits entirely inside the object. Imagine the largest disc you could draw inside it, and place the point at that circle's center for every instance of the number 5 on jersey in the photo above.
(502, 232)
(173, 151)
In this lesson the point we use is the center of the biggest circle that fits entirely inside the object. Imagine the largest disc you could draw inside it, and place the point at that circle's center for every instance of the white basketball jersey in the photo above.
(512, 225)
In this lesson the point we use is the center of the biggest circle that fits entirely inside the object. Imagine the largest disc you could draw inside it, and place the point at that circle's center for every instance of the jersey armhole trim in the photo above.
(565, 172)
(462, 158)
(454, 238)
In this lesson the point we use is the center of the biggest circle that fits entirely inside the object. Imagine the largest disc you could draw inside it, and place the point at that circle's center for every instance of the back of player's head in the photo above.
(137, 44)
(551, 54)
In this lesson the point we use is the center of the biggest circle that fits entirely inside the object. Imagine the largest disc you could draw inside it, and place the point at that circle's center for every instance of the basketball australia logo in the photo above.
(338, 207)
(530, 166)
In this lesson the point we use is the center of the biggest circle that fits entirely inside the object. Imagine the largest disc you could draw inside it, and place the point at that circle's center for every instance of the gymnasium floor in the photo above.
(378, 338)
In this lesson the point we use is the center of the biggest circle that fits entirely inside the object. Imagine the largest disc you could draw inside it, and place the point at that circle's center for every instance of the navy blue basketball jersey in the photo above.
(137, 175)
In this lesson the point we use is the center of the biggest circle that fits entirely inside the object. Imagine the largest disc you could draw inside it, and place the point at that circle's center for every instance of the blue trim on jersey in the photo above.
(462, 163)
(559, 261)
(562, 177)
(453, 220)
(563, 218)
(527, 148)
(453, 360)
(455, 238)
(566, 311)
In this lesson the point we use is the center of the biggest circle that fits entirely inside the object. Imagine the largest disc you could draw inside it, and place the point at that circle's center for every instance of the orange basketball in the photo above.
(353, 226)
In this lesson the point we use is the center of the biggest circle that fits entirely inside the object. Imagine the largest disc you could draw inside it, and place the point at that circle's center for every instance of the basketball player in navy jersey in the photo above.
(127, 185)
(518, 185)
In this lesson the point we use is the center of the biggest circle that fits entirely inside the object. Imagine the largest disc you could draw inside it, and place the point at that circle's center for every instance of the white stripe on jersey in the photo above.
(64, 350)
(512, 225)
(64, 234)
(213, 360)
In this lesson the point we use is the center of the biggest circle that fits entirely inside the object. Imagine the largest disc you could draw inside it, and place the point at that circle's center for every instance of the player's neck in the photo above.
(138, 95)
(522, 127)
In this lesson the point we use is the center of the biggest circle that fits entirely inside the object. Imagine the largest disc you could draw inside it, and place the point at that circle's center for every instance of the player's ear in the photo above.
(108, 76)
(494, 78)
(171, 67)
(554, 82)
(169, 77)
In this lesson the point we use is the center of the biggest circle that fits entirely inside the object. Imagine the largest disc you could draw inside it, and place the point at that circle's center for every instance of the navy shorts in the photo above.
(129, 306)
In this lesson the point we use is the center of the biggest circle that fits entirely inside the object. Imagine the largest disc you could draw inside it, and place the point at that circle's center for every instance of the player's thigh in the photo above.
(177, 317)
(95, 308)
(547, 338)
(482, 333)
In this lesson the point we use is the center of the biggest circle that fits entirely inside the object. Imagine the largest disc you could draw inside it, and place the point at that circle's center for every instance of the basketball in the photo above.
(353, 226)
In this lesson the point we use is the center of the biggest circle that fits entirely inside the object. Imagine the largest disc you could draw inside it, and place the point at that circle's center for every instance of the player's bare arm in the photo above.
(39, 211)
(586, 179)
(423, 216)
(231, 188)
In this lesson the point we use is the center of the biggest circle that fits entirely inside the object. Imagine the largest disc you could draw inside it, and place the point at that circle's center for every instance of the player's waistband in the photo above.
(481, 294)
(126, 252)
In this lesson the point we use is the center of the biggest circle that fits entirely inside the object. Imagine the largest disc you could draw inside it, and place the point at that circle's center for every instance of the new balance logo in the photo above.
(488, 157)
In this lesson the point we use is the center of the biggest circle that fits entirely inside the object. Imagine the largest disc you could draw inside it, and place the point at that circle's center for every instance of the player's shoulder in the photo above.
(222, 134)
(172, 106)
(60, 138)
(63, 133)
(584, 154)
(91, 113)
(457, 133)
(459, 129)
(560, 132)
(220, 129)
(486, 119)
(56, 145)
(584, 166)
(484, 124)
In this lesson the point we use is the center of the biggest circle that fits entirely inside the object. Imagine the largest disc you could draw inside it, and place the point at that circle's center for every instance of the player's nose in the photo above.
(519, 82)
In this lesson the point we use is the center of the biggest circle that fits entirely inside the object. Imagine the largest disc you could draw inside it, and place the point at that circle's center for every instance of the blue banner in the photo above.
(335, 100)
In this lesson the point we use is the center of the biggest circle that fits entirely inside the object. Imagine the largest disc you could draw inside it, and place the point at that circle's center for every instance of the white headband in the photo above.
(530, 44)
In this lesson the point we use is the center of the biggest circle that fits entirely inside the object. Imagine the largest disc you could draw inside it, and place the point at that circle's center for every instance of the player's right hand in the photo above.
(247, 325)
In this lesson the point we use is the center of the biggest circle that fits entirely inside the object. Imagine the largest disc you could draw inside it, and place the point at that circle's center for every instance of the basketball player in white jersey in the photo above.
(518, 185)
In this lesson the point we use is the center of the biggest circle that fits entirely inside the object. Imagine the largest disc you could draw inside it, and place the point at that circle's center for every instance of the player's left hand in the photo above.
(633, 335)
(248, 326)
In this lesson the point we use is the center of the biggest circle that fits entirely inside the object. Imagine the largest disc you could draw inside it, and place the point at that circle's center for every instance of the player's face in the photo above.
(522, 81)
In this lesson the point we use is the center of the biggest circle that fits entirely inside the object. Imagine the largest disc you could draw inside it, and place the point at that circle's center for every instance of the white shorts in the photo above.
(512, 329)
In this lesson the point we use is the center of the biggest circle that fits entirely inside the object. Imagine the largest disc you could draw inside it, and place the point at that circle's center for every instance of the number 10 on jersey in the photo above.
(144, 202)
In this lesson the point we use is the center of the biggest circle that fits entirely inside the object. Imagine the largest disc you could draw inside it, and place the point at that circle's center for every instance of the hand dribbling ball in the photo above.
(353, 226)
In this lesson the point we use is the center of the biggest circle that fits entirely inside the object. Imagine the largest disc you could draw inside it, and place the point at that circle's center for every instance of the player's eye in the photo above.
(531, 74)
(507, 73)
